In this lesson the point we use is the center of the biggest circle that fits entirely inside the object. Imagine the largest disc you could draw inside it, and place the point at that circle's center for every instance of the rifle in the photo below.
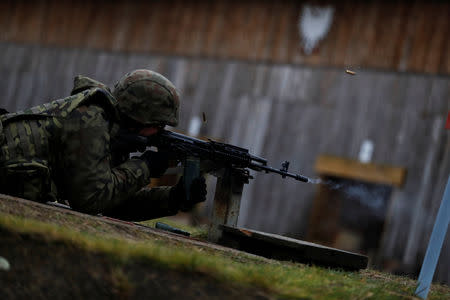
(216, 155)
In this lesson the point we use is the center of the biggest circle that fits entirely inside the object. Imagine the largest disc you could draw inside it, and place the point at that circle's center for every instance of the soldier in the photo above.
(63, 150)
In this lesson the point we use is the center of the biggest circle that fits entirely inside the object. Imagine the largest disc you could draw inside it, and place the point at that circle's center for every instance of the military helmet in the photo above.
(148, 98)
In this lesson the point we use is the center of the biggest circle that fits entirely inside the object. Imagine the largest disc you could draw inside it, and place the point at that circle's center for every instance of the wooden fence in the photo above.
(390, 35)
(283, 112)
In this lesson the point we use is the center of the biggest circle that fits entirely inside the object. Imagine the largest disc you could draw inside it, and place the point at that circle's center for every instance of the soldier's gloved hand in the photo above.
(157, 162)
(197, 193)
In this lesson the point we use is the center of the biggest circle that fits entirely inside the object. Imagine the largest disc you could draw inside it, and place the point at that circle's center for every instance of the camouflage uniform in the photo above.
(62, 151)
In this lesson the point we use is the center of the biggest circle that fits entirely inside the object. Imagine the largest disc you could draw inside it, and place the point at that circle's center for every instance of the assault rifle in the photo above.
(216, 155)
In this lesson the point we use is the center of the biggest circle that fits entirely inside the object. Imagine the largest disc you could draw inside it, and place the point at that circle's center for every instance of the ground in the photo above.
(55, 253)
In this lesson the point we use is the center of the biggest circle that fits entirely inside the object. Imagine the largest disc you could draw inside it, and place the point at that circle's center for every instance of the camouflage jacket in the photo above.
(62, 150)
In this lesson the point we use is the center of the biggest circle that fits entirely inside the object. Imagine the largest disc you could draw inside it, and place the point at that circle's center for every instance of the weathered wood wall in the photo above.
(283, 112)
(390, 35)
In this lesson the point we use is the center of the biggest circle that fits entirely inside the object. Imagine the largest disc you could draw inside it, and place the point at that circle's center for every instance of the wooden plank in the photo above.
(259, 30)
(79, 23)
(138, 37)
(410, 101)
(401, 39)
(395, 102)
(6, 23)
(199, 100)
(249, 131)
(367, 42)
(426, 184)
(193, 72)
(267, 40)
(301, 146)
(26, 22)
(293, 44)
(382, 122)
(216, 21)
(347, 168)
(264, 186)
(178, 22)
(241, 33)
(343, 33)
(55, 30)
(232, 33)
(193, 35)
(362, 107)
(421, 38)
(281, 149)
(284, 248)
(260, 81)
(445, 65)
(435, 56)
(216, 76)
(354, 48)
(223, 99)
(103, 26)
(119, 30)
(154, 34)
(227, 201)
(340, 129)
(327, 46)
(280, 39)
(387, 34)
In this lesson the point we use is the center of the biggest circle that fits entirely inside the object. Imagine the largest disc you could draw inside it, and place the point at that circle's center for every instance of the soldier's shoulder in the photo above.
(99, 97)
(93, 102)
(82, 83)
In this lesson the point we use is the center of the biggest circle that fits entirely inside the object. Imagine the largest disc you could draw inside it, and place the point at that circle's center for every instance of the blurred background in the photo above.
(356, 92)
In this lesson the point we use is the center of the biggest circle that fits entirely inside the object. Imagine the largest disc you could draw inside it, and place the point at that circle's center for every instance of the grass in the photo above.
(282, 279)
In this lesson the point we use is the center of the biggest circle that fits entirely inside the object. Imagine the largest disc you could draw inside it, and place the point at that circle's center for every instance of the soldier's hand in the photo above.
(198, 190)
(197, 193)
(157, 162)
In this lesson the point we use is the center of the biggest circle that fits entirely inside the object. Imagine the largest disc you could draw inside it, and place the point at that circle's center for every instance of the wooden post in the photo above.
(227, 201)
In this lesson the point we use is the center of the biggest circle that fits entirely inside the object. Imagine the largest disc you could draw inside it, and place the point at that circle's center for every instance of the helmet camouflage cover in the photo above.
(148, 98)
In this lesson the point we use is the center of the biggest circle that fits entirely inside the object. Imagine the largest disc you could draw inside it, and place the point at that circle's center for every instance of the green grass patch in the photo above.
(283, 279)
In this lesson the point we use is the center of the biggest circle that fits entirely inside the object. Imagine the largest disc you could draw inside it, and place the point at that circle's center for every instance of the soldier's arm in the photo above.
(147, 203)
(89, 182)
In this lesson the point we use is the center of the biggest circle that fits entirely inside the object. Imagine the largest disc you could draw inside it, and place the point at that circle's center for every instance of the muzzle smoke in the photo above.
(369, 195)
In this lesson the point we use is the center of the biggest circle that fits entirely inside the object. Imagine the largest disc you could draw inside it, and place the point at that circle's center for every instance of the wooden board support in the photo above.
(329, 165)
(223, 231)
(284, 248)
(227, 201)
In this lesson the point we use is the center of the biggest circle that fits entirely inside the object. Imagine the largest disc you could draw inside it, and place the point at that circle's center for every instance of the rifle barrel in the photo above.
(283, 173)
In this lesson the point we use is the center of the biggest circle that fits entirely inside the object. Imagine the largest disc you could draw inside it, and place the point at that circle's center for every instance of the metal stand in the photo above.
(434, 245)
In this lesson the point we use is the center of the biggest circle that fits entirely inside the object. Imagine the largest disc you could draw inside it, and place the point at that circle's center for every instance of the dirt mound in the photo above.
(48, 266)
(43, 268)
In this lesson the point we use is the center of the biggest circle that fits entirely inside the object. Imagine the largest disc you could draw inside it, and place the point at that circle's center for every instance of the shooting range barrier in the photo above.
(350, 207)
(224, 231)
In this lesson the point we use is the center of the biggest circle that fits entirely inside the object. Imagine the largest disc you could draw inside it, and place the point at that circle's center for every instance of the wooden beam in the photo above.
(284, 248)
(227, 201)
(329, 165)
